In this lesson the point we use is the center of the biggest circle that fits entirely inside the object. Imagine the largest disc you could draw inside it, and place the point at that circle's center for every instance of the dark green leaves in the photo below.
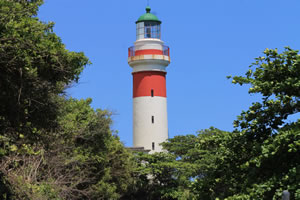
(277, 78)
(34, 68)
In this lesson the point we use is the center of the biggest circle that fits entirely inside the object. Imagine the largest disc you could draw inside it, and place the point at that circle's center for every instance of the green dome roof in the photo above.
(148, 16)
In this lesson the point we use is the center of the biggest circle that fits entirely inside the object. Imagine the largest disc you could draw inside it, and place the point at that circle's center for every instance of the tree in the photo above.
(160, 176)
(81, 160)
(88, 142)
(35, 67)
(272, 143)
(205, 156)
(260, 159)
(276, 77)
(51, 146)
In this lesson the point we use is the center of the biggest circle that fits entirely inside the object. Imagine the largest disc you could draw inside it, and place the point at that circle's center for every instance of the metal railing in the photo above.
(165, 51)
(131, 51)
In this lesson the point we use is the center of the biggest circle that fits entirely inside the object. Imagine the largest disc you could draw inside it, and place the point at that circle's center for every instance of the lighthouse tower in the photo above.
(149, 58)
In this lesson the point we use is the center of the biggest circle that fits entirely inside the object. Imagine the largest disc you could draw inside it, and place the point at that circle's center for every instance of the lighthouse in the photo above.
(149, 58)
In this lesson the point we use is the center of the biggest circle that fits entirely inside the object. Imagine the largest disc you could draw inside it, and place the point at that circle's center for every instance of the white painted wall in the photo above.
(148, 43)
(144, 131)
(149, 63)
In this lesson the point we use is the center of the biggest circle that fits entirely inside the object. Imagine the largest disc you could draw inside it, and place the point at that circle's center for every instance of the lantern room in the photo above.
(148, 26)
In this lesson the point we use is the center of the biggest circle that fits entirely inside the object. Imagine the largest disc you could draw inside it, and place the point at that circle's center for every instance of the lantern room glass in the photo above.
(148, 30)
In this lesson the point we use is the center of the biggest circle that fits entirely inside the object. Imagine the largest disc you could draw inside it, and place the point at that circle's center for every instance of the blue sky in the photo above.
(208, 40)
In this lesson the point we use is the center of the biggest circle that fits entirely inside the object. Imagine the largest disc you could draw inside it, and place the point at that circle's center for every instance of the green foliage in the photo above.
(87, 133)
(51, 147)
(276, 77)
(260, 160)
(160, 176)
(271, 163)
(81, 160)
(207, 153)
(221, 165)
(34, 68)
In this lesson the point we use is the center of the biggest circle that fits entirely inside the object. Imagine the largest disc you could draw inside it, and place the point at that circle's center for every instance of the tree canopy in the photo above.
(51, 146)
(35, 67)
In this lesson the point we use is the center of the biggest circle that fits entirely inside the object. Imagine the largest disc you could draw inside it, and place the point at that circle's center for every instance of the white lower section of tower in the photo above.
(150, 123)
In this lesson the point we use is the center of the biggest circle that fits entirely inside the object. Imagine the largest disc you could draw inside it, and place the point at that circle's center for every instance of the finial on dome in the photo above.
(148, 9)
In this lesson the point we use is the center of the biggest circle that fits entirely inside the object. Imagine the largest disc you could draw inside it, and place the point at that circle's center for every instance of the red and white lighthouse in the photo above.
(149, 58)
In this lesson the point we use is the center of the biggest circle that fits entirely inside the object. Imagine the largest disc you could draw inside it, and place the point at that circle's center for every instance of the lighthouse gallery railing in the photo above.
(165, 51)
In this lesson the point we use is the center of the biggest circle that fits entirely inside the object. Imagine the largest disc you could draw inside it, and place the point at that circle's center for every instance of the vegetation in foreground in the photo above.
(54, 147)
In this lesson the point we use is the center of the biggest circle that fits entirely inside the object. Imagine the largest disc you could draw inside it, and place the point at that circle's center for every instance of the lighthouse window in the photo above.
(152, 119)
(152, 93)
(140, 28)
(148, 32)
(152, 30)
(153, 146)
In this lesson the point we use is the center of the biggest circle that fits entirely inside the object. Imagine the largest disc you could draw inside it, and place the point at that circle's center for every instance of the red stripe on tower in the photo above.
(149, 83)
(148, 52)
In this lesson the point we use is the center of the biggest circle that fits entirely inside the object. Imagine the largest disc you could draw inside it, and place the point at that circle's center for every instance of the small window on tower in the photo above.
(153, 146)
(152, 119)
(152, 93)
